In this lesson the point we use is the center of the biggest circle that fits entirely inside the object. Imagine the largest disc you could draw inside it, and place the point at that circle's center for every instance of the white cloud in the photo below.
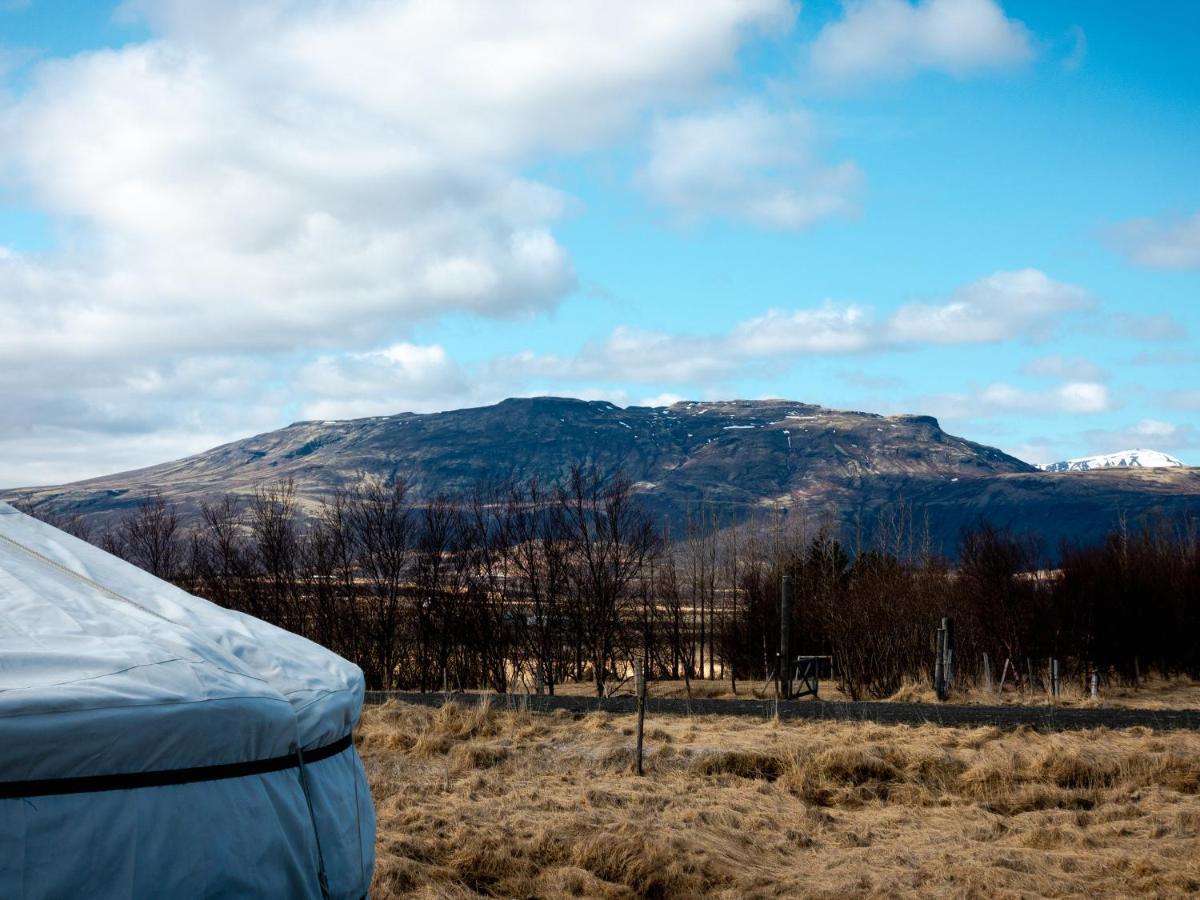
(1036, 450)
(1002, 306)
(1154, 428)
(627, 354)
(493, 80)
(1071, 397)
(829, 328)
(894, 38)
(45, 455)
(747, 163)
(661, 400)
(1168, 243)
(1082, 397)
(402, 377)
(281, 178)
(982, 409)
(1073, 368)
(1149, 434)
(92, 423)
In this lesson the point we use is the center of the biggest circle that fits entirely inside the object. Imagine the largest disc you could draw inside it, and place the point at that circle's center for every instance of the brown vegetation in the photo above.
(473, 801)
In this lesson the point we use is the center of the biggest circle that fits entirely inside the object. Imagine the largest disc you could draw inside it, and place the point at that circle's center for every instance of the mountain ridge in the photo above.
(739, 457)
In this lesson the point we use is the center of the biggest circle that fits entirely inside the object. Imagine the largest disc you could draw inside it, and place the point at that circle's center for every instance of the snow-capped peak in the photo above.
(1123, 459)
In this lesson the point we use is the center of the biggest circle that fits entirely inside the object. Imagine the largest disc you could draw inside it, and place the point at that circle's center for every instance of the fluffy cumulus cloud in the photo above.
(1170, 243)
(1070, 397)
(1025, 304)
(408, 377)
(830, 328)
(274, 173)
(747, 163)
(1000, 306)
(268, 180)
(999, 400)
(895, 38)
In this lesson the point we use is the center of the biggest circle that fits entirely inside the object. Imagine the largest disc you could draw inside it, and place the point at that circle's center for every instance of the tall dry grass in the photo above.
(478, 802)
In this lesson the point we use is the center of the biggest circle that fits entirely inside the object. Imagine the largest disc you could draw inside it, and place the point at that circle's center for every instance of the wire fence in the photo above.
(1045, 718)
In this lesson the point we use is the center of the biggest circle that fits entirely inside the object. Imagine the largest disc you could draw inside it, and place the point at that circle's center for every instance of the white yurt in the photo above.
(153, 744)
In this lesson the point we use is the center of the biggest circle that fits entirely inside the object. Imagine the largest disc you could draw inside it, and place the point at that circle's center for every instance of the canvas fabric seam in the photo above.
(119, 597)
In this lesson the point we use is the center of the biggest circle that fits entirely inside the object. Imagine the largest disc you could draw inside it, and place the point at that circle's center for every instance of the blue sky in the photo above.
(216, 220)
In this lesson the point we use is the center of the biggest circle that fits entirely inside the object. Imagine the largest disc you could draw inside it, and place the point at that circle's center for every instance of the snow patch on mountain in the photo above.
(1123, 459)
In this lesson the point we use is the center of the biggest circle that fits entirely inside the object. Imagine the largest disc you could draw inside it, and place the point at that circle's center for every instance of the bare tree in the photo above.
(381, 522)
(150, 537)
(277, 554)
(330, 585)
(437, 582)
(612, 539)
(220, 562)
(493, 622)
(537, 535)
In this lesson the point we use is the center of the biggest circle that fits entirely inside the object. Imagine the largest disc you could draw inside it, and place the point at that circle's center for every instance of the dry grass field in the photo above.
(474, 801)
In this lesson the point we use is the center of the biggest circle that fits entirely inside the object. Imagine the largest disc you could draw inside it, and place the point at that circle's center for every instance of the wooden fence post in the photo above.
(939, 662)
(1004, 675)
(640, 684)
(987, 674)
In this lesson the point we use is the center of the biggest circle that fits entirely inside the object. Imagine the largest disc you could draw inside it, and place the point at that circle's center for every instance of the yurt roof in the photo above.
(105, 669)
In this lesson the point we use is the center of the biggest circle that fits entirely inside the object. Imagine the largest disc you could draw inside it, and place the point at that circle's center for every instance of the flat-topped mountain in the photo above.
(735, 457)
(744, 452)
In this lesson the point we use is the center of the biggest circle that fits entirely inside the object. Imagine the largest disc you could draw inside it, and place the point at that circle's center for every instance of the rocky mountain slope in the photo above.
(737, 458)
